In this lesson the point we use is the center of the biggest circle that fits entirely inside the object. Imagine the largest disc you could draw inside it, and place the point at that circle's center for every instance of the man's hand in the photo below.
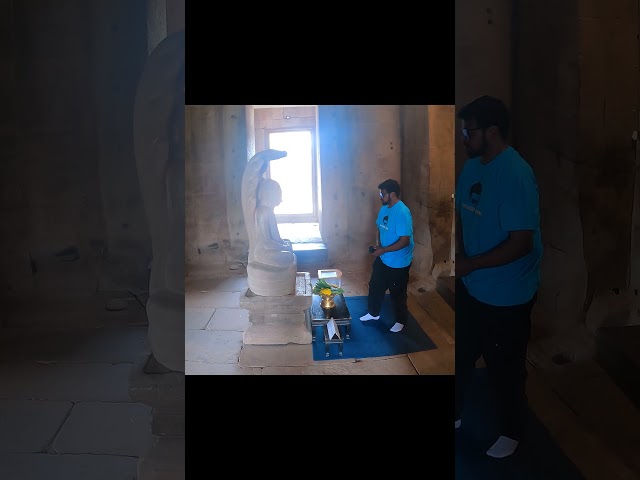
(464, 266)
(377, 251)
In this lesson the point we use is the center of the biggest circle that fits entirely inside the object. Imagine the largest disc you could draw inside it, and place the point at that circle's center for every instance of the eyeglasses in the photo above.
(465, 132)
(383, 194)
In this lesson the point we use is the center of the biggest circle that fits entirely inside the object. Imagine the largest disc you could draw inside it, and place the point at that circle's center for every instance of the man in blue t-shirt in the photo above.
(393, 256)
(498, 257)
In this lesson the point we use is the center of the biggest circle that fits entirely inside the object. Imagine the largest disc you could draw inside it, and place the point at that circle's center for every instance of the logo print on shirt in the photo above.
(475, 192)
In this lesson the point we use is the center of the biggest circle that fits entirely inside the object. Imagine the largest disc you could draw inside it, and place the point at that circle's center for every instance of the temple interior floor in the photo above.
(215, 324)
(65, 410)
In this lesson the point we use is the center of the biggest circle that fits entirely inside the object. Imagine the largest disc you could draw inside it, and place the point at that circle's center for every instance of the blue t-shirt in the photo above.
(393, 223)
(493, 200)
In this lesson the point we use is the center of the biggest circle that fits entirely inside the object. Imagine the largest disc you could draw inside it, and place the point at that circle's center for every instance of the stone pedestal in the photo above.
(165, 393)
(267, 281)
(279, 320)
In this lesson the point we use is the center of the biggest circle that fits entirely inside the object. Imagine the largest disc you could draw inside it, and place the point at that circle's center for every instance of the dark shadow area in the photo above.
(537, 456)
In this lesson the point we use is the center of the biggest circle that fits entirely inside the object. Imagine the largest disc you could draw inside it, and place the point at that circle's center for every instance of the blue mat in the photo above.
(537, 456)
(373, 338)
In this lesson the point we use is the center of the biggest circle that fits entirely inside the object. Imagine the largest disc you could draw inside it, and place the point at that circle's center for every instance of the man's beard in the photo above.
(385, 203)
(480, 151)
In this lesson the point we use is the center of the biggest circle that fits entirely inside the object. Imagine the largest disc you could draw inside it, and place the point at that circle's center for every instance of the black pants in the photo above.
(394, 279)
(500, 335)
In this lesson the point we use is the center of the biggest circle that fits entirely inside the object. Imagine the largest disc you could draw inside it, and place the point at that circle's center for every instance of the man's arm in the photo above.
(397, 245)
(517, 245)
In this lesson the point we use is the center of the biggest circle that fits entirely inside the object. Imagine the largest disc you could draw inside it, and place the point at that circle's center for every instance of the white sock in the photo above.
(503, 447)
(458, 423)
(367, 317)
(397, 327)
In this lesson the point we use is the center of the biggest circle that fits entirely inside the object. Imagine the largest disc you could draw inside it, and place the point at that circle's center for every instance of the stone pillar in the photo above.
(165, 393)
(118, 33)
(164, 17)
(634, 280)
(159, 131)
(156, 23)
(159, 148)
(234, 138)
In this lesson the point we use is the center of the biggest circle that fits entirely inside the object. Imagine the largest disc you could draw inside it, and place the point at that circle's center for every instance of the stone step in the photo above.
(603, 412)
(618, 353)
(446, 287)
(588, 451)
(310, 254)
(441, 313)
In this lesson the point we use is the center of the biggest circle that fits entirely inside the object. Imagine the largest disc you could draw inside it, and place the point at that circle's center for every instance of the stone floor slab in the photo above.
(134, 313)
(201, 368)
(277, 334)
(197, 318)
(439, 315)
(589, 453)
(39, 466)
(212, 346)
(388, 366)
(93, 345)
(276, 355)
(236, 319)
(166, 390)
(601, 405)
(217, 284)
(212, 299)
(165, 461)
(102, 428)
(29, 426)
(73, 382)
(438, 361)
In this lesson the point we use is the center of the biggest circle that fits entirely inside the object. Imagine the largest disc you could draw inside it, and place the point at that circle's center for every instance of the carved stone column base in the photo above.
(165, 393)
(281, 319)
(166, 325)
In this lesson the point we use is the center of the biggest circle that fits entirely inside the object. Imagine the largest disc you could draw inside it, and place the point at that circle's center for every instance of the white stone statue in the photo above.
(272, 266)
(159, 149)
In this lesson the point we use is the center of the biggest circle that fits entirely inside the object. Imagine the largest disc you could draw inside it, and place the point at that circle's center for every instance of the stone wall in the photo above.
(427, 170)
(360, 146)
(71, 206)
(484, 55)
(574, 98)
(609, 104)
(584, 106)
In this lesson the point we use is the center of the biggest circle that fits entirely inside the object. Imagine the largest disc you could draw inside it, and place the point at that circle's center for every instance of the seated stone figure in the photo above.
(270, 249)
(272, 266)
